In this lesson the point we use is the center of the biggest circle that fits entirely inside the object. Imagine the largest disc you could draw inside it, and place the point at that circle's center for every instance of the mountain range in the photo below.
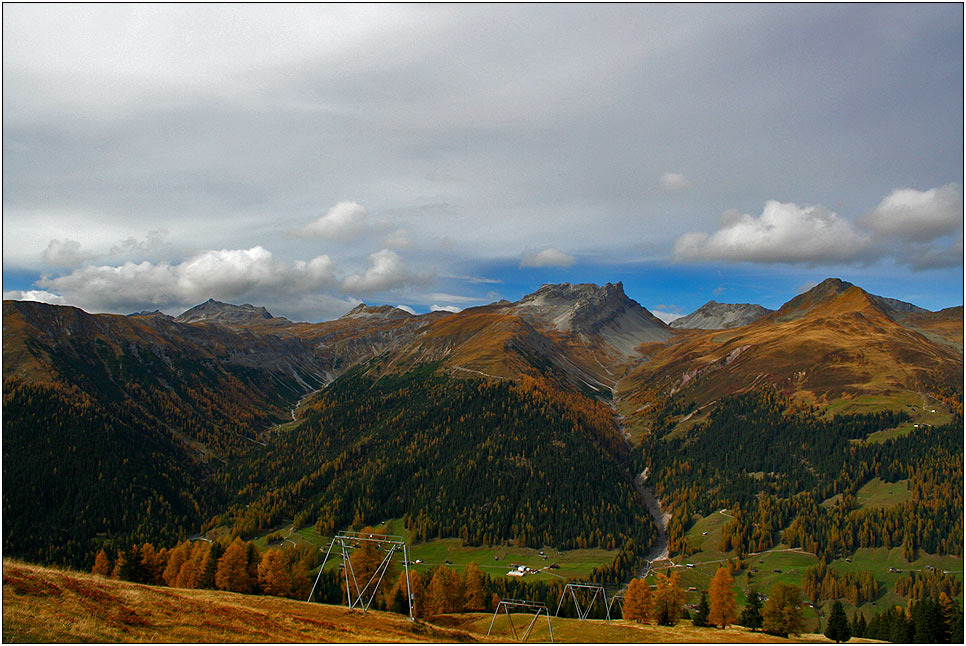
(152, 426)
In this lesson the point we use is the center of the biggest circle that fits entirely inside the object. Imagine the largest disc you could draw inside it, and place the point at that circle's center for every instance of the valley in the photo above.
(571, 428)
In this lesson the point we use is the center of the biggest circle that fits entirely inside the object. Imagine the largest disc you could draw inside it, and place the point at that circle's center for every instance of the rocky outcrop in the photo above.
(380, 312)
(720, 316)
(212, 311)
(602, 311)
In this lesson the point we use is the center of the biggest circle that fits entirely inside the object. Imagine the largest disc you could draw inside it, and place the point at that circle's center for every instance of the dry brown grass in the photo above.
(47, 605)
(44, 605)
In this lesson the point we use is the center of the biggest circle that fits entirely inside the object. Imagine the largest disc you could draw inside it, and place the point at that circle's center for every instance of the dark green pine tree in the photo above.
(838, 628)
(131, 568)
(858, 624)
(700, 617)
(928, 621)
(751, 615)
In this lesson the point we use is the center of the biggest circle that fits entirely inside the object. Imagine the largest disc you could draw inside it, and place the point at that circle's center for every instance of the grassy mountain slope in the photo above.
(832, 341)
(43, 605)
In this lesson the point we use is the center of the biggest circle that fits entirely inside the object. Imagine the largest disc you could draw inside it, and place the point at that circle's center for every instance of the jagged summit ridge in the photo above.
(601, 310)
(212, 311)
(720, 316)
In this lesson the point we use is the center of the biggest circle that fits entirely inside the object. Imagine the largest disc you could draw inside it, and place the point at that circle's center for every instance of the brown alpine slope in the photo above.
(43, 605)
(835, 340)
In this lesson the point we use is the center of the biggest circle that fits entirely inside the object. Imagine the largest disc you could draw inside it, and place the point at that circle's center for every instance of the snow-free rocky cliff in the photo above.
(604, 311)
(720, 316)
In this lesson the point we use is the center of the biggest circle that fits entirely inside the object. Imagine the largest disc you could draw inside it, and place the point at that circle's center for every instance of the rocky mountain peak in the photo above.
(833, 288)
(720, 316)
(601, 310)
(212, 311)
(385, 312)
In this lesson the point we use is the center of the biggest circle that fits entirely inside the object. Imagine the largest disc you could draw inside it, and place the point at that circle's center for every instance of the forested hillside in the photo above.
(113, 426)
(73, 472)
(483, 460)
(773, 465)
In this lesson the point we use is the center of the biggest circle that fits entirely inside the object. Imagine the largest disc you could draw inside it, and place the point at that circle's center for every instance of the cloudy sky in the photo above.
(311, 157)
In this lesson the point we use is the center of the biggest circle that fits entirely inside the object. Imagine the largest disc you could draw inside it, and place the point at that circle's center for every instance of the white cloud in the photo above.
(227, 274)
(406, 308)
(343, 221)
(399, 240)
(918, 215)
(65, 253)
(456, 298)
(667, 317)
(549, 257)
(155, 242)
(386, 270)
(783, 233)
(674, 182)
(35, 295)
(445, 308)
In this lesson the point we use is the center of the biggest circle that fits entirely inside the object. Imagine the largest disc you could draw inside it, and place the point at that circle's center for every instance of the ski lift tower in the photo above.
(584, 589)
(362, 598)
(535, 607)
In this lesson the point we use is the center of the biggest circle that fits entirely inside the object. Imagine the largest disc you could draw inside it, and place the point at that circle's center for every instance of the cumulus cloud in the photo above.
(38, 295)
(445, 308)
(674, 182)
(918, 215)
(406, 308)
(227, 274)
(65, 253)
(155, 242)
(343, 221)
(783, 233)
(386, 270)
(549, 257)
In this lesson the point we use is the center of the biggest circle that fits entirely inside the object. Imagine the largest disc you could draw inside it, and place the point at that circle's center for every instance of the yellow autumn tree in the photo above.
(232, 571)
(189, 576)
(444, 593)
(176, 558)
(475, 595)
(102, 564)
(724, 607)
(150, 563)
(667, 600)
(272, 575)
(637, 598)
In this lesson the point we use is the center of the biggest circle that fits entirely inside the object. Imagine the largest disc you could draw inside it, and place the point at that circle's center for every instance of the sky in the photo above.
(311, 157)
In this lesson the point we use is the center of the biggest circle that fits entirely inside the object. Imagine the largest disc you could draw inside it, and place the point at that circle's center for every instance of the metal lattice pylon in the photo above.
(363, 597)
(617, 599)
(582, 612)
(529, 606)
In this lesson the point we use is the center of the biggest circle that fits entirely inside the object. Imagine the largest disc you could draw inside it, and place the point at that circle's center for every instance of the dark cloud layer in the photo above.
(470, 135)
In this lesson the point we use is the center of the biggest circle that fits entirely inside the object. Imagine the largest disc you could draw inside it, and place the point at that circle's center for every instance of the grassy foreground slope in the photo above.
(44, 605)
